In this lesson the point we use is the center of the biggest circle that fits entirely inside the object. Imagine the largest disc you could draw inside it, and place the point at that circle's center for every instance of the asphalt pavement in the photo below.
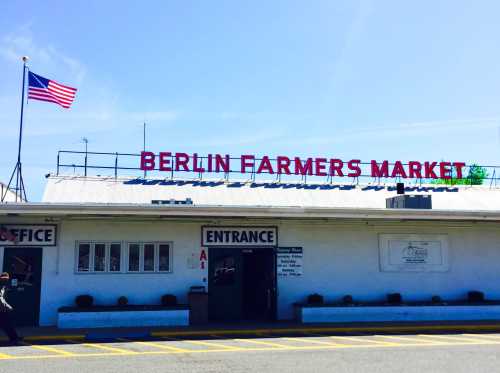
(464, 352)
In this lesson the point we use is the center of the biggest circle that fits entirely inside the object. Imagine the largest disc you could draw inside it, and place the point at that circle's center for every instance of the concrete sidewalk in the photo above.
(241, 329)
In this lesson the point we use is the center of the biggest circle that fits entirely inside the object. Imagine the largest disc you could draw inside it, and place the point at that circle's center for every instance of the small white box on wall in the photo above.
(414, 252)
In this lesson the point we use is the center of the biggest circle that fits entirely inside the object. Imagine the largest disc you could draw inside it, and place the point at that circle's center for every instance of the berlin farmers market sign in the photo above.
(283, 165)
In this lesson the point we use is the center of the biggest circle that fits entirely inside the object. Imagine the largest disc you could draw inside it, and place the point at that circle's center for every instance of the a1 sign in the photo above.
(203, 258)
(27, 235)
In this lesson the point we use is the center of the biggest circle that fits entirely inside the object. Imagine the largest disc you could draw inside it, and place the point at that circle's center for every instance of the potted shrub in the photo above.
(394, 298)
(347, 300)
(436, 299)
(122, 301)
(168, 300)
(475, 296)
(315, 299)
(84, 301)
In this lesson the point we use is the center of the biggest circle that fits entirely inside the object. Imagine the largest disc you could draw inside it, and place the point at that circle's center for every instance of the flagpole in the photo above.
(19, 190)
(19, 181)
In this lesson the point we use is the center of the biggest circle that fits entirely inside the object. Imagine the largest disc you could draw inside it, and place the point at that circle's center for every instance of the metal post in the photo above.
(86, 141)
(144, 142)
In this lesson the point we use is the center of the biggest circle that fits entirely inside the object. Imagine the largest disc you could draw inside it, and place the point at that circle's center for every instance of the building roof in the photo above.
(103, 210)
(133, 191)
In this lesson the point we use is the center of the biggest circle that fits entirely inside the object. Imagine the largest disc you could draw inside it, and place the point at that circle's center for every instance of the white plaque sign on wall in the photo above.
(413, 252)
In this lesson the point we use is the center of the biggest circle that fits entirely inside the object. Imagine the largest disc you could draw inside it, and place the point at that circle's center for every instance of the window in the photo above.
(164, 258)
(149, 257)
(115, 256)
(224, 271)
(99, 257)
(83, 257)
(131, 257)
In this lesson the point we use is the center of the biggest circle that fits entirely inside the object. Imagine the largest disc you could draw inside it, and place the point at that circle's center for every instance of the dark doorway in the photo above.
(24, 264)
(242, 284)
(258, 284)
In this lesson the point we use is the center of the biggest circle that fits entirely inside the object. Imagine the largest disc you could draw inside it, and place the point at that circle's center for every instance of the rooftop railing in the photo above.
(128, 164)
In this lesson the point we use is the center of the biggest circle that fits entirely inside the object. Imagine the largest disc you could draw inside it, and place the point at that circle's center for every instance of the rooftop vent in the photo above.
(409, 201)
(187, 201)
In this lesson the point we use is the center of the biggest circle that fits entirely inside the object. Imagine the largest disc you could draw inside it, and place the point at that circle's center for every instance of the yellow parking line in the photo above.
(411, 339)
(109, 348)
(157, 345)
(460, 339)
(271, 344)
(486, 337)
(309, 330)
(364, 340)
(52, 349)
(266, 346)
(161, 346)
(306, 340)
(5, 356)
(205, 343)
(216, 345)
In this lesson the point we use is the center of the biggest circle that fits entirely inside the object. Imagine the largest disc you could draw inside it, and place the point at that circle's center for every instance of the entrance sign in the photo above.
(413, 253)
(289, 261)
(239, 236)
(27, 235)
(283, 165)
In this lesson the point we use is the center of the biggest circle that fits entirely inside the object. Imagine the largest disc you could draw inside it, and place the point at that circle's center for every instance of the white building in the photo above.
(257, 247)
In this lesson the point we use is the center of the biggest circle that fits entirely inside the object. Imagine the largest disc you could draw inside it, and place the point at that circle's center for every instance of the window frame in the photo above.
(93, 251)
(77, 257)
(156, 257)
(108, 257)
(124, 257)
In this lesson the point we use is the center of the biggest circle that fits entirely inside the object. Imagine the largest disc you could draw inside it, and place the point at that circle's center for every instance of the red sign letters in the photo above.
(168, 161)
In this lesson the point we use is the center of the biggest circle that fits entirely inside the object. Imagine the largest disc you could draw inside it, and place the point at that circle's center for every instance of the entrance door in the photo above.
(224, 284)
(241, 284)
(259, 274)
(24, 265)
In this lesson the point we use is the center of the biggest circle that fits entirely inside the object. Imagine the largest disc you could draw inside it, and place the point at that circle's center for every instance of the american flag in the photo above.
(40, 88)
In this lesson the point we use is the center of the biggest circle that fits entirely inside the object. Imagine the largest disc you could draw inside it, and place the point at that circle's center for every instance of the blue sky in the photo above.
(345, 79)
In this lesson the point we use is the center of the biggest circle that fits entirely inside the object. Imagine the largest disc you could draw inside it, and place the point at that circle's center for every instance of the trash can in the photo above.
(198, 305)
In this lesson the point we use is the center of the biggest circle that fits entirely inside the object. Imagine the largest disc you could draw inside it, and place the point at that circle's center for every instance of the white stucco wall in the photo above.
(61, 285)
(339, 258)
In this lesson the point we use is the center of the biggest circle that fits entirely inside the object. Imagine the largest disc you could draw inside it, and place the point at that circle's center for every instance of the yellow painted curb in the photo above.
(317, 329)
(356, 329)
(49, 337)
(54, 337)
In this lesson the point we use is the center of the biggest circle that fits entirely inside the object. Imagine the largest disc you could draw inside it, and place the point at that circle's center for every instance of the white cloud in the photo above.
(97, 106)
(21, 43)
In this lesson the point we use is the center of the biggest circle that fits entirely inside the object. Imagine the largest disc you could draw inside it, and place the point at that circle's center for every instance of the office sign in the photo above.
(289, 261)
(239, 236)
(27, 235)
(413, 253)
